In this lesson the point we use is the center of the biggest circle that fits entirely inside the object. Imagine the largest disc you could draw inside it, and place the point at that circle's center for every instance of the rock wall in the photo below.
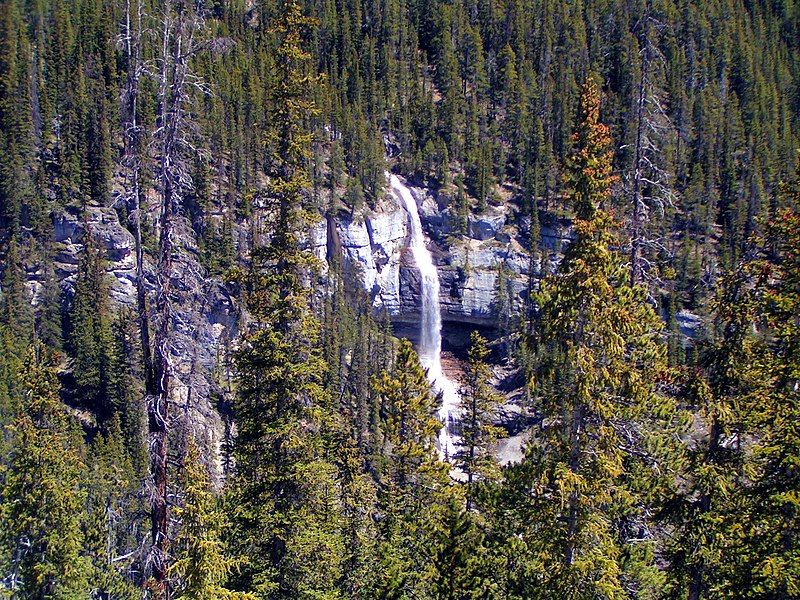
(205, 316)
(374, 247)
(469, 266)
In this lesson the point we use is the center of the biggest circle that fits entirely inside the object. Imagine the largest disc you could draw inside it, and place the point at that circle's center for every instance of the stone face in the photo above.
(388, 233)
(375, 251)
(689, 323)
(486, 225)
(208, 318)
(69, 231)
(473, 288)
(205, 315)
(372, 250)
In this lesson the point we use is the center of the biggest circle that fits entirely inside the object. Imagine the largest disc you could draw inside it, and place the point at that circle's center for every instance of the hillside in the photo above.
(399, 299)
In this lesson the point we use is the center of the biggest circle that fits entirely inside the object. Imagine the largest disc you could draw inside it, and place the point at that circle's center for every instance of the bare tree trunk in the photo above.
(132, 160)
(574, 464)
(637, 174)
(177, 47)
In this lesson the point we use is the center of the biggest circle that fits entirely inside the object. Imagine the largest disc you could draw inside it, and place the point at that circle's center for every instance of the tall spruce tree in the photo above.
(704, 497)
(285, 493)
(200, 568)
(600, 353)
(775, 534)
(41, 501)
(91, 338)
(111, 543)
(415, 498)
(479, 406)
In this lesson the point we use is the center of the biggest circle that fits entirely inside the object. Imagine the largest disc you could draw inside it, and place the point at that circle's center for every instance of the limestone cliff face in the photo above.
(205, 321)
(484, 276)
(469, 266)
(374, 247)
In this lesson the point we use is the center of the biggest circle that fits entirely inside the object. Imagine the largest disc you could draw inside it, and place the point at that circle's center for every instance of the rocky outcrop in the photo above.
(482, 274)
(487, 225)
(374, 250)
(69, 231)
(205, 316)
(374, 247)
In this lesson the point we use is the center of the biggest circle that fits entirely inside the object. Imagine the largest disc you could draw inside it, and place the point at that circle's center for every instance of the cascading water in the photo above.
(430, 344)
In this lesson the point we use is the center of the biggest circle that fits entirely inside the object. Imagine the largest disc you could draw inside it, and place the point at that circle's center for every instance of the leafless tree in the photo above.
(180, 23)
(649, 181)
(133, 133)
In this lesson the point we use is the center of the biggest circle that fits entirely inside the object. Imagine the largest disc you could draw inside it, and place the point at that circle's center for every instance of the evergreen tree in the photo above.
(775, 535)
(285, 492)
(41, 501)
(704, 505)
(91, 338)
(599, 349)
(415, 498)
(480, 402)
(112, 506)
(200, 567)
(16, 308)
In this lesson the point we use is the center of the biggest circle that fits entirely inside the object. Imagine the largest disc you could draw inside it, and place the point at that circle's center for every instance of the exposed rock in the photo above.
(486, 225)
(372, 250)
(388, 232)
(689, 323)
(69, 231)
(556, 234)
(205, 316)
(511, 450)
(470, 288)
(207, 320)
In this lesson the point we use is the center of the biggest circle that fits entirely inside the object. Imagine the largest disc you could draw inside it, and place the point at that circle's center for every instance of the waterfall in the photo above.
(430, 344)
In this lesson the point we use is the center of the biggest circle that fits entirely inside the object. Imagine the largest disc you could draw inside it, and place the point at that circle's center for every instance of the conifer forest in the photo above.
(399, 299)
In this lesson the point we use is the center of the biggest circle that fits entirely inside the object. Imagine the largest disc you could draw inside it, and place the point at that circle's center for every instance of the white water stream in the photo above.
(430, 343)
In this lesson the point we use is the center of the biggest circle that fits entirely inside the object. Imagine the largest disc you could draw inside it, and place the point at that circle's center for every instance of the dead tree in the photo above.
(649, 179)
(180, 24)
(133, 133)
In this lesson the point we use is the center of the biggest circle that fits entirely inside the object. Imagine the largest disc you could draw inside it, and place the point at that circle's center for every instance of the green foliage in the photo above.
(41, 501)
(337, 491)
(600, 353)
(91, 338)
(416, 502)
(776, 533)
(112, 501)
(478, 434)
(200, 567)
(285, 494)
(17, 315)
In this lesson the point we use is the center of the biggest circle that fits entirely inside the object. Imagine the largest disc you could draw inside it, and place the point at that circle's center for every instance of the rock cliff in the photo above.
(376, 243)
(374, 248)
(205, 315)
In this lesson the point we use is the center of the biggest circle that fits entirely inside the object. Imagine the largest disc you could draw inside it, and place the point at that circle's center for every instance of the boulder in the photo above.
(486, 225)
(689, 323)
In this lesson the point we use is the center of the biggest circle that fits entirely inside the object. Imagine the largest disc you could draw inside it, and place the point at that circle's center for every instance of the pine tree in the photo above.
(200, 567)
(776, 533)
(704, 505)
(410, 417)
(17, 314)
(599, 349)
(91, 339)
(415, 498)
(479, 405)
(285, 492)
(16, 122)
(112, 487)
(40, 499)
